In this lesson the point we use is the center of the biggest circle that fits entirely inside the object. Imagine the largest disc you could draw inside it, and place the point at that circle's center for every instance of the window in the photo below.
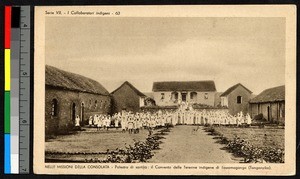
(162, 96)
(174, 96)
(54, 107)
(96, 104)
(101, 104)
(239, 99)
(90, 104)
(104, 104)
(205, 95)
(193, 95)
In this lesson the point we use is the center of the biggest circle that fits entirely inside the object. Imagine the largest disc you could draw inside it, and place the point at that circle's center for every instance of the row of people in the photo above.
(130, 120)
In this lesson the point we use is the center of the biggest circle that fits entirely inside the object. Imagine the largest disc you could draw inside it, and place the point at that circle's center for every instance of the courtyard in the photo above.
(183, 144)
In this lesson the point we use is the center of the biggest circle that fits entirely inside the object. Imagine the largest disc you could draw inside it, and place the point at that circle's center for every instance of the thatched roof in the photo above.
(275, 94)
(66, 80)
(229, 90)
(132, 87)
(184, 86)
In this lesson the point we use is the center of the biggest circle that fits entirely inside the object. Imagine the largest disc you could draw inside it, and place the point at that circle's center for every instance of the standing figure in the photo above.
(90, 121)
(77, 122)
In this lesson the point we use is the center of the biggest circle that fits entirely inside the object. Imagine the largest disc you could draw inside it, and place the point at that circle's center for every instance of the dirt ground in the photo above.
(92, 140)
(182, 145)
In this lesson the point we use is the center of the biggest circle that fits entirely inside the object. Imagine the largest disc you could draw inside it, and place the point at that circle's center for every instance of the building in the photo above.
(68, 95)
(171, 93)
(236, 98)
(270, 103)
(218, 99)
(149, 100)
(127, 97)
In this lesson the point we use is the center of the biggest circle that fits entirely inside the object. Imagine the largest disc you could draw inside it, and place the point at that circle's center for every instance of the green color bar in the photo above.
(7, 112)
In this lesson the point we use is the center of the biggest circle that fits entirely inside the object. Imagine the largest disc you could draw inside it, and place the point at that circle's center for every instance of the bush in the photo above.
(273, 155)
(259, 117)
(138, 152)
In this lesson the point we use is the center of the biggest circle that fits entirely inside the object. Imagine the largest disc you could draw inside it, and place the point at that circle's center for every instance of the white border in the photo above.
(287, 11)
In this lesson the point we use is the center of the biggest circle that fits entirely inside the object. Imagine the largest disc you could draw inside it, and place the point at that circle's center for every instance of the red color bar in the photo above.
(7, 27)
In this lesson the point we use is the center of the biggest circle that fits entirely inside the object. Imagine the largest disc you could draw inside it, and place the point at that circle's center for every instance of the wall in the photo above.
(224, 101)
(94, 104)
(62, 123)
(233, 106)
(217, 99)
(169, 102)
(253, 108)
(213, 110)
(125, 98)
(276, 111)
(172, 109)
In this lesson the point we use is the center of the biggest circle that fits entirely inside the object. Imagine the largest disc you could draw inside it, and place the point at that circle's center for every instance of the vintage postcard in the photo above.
(165, 90)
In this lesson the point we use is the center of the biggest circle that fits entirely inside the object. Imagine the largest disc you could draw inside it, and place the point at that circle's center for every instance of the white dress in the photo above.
(77, 121)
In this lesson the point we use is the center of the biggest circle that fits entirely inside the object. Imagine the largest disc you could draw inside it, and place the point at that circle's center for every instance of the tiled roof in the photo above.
(270, 95)
(184, 86)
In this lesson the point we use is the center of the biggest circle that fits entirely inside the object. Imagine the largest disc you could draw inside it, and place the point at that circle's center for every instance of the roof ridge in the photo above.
(131, 86)
(270, 95)
(183, 81)
(230, 89)
(63, 78)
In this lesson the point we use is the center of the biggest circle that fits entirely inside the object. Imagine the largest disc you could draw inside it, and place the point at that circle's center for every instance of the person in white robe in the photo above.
(248, 119)
(77, 121)
(90, 121)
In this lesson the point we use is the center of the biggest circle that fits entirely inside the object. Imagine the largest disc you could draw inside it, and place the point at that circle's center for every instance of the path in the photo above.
(183, 146)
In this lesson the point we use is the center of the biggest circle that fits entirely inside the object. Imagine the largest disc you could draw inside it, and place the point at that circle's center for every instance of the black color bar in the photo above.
(15, 17)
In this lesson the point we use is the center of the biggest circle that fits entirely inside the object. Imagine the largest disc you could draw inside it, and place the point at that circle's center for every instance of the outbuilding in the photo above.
(236, 98)
(127, 97)
(271, 104)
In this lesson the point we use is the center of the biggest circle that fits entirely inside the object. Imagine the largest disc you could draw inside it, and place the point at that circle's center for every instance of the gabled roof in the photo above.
(132, 87)
(66, 80)
(270, 95)
(231, 89)
(184, 86)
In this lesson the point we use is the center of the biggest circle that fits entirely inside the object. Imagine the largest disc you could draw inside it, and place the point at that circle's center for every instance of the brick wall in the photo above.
(63, 122)
(125, 98)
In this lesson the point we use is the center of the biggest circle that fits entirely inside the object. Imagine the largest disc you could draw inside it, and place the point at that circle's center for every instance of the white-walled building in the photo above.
(171, 93)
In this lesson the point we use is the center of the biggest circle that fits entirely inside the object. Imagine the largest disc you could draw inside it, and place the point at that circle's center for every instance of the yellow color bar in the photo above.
(7, 69)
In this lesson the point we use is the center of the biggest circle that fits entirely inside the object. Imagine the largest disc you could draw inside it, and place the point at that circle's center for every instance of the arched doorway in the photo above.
(73, 112)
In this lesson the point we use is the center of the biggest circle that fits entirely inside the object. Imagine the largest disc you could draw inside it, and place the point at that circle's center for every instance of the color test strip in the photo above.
(7, 38)
(14, 88)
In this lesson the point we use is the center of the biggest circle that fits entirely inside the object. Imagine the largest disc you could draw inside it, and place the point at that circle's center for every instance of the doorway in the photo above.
(183, 97)
(73, 112)
(82, 113)
(269, 113)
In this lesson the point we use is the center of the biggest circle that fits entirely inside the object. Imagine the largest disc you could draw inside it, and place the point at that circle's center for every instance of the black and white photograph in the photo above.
(163, 88)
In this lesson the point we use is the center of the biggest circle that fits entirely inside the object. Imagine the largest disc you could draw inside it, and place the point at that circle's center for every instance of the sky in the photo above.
(142, 50)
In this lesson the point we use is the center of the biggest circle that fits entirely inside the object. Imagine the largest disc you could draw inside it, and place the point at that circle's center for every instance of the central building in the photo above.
(170, 93)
